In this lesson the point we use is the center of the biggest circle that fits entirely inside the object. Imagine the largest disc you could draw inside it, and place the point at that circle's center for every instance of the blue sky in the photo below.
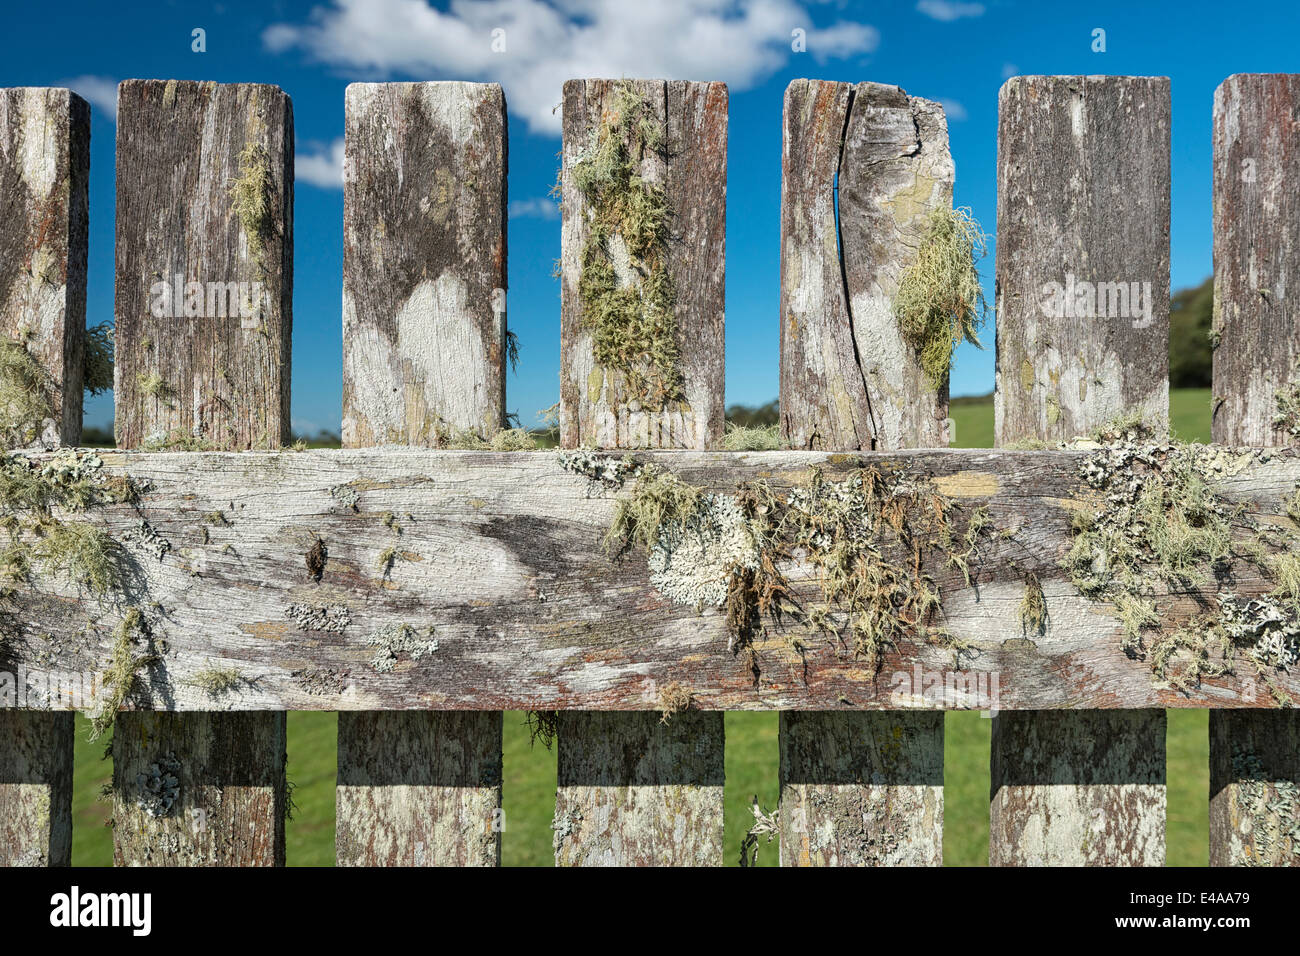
(956, 52)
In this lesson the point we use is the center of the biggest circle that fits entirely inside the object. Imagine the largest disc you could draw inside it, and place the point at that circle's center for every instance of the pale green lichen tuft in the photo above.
(673, 699)
(250, 197)
(26, 393)
(626, 292)
(217, 680)
(939, 302)
(1033, 607)
(752, 438)
(1270, 813)
(1287, 415)
(394, 639)
(504, 439)
(120, 677)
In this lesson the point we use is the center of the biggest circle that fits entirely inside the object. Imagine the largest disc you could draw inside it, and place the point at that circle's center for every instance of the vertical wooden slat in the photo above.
(1083, 197)
(858, 788)
(424, 346)
(631, 789)
(44, 178)
(1255, 755)
(186, 154)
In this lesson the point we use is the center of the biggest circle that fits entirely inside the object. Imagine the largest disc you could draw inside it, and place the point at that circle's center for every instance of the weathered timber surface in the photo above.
(424, 262)
(1255, 757)
(638, 792)
(199, 790)
(848, 379)
(862, 789)
(501, 555)
(1085, 788)
(419, 789)
(1254, 788)
(1083, 192)
(44, 183)
(214, 376)
(1083, 197)
(425, 350)
(35, 788)
(595, 406)
(1256, 253)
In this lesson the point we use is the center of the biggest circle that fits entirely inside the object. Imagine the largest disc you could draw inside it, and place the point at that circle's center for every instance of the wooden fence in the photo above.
(211, 581)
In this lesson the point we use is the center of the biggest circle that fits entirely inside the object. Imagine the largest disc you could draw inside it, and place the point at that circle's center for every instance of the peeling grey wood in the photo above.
(501, 554)
(888, 154)
(632, 789)
(424, 261)
(199, 790)
(1254, 788)
(44, 183)
(1255, 756)
(637, 792)
(862, 789)
(424, 345)
(1083, 197)
(217, 377)
(419, 789)
(1083, 788)
(225, 381)
(1083, 192)
(35, 788)
(594, 408)
(858, 789)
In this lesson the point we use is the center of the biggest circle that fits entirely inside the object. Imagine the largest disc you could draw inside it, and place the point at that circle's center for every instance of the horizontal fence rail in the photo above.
(199, 581)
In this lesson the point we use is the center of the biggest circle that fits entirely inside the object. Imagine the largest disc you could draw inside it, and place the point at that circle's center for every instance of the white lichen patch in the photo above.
(692, 561)
(159, 789)
(1269, 812)
(1269, 630)
(605, 472)
(394, 639)
(333, 618)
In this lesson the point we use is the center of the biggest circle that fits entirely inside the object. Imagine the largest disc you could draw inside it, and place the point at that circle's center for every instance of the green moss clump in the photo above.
(626, 292)
(99, 359)
(26, 393)
(752, 438)
(939, 302)
(504, 439)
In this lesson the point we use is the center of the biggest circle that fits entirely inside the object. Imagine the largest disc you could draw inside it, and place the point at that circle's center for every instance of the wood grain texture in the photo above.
(1083, 197)
(424, 261)
(862, 789)
(44, 221)
(424, 351)
(1255, 756)
(214, 376)
(632, 789)
(225, 777)
(419, 789)
(1079, 788)
(1254, 789)
(501, 555)
(35, 788)
(848, 380)
(225, 382)
(44, 183)
(595, 407)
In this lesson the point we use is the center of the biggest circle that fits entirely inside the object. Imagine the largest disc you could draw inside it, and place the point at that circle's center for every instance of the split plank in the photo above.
(44, 187)
(634, 789)
(424, 353)
(501, 554)
(215, 374)
(858, 788)
(1256, 258)
(1083, 202)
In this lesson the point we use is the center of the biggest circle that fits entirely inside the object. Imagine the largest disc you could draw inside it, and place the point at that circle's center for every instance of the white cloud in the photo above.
(954, 110)
(741, 42)
(1009, 70)
(322, 166)
(99, 91)
(538, 207)
(949, 10)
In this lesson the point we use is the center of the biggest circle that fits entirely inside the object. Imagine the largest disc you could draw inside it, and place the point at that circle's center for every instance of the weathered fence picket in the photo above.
(44, 178)
(203, 309)
(1083, 197)
(863, 169)
(420, 591)
(425, 351)
(1255, 756)
(638, 788)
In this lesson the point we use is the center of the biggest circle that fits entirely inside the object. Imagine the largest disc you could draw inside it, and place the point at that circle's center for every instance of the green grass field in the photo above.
(529, 786)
